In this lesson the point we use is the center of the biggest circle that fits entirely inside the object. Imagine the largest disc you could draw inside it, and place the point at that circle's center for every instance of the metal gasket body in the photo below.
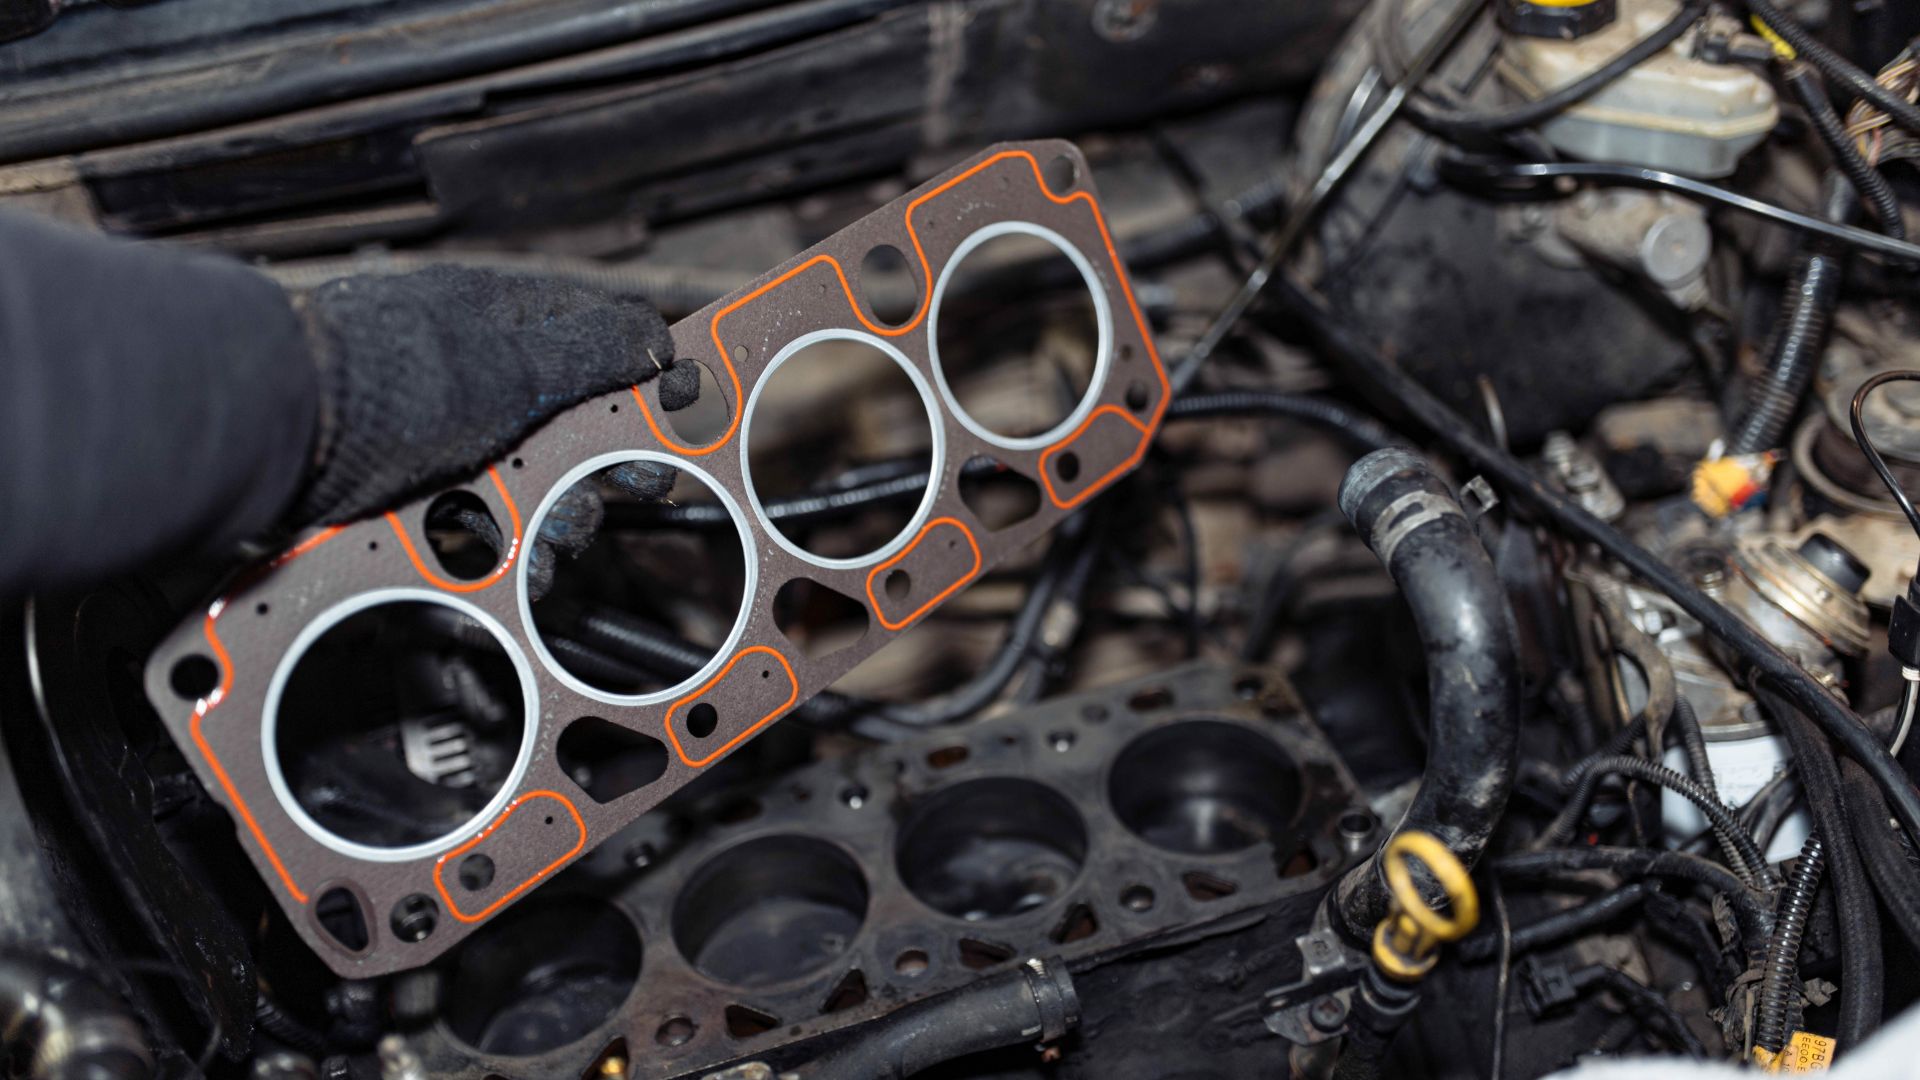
(540, 821)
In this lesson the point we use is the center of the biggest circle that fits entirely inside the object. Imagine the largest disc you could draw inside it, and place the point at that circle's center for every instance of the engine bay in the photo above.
(1176, 539)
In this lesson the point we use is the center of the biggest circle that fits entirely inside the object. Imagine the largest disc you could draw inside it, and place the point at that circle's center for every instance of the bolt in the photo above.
(1124, 20)
(1328, 1013)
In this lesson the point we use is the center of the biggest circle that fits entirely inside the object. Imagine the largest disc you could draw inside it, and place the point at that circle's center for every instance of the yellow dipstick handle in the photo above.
(1407, 941)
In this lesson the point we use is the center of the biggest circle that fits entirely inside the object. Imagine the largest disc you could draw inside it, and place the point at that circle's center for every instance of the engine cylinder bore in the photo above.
(1205, 787)
(772, 909)
(803, 435)
(990, 849)
(1020, 333)
(542, 976)
(396, 725)
(656, 586)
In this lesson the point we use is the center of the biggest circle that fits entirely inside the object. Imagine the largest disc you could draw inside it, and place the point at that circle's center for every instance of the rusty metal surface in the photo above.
(541, 821)
(1126, 895)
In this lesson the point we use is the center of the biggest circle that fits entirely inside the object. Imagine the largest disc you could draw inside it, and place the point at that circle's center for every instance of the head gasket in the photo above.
(227, 684)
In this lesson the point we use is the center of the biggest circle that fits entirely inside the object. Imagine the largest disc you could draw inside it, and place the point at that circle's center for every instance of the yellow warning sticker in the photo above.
(1805, 1053)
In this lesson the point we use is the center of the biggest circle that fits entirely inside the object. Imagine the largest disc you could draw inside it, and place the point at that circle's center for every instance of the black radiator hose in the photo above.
(60, 1024)
(1409, 517)
(1035, 1001)
(1800, 335)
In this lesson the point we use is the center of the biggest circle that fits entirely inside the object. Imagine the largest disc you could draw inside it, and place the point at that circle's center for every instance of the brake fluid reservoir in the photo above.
(1671, 112)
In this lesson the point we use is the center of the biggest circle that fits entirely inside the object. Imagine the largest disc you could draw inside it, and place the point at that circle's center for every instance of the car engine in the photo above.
(1179, 539)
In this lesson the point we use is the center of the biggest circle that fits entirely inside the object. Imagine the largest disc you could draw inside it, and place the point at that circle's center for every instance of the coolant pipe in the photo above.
(1410, 519)
(1034, 1001)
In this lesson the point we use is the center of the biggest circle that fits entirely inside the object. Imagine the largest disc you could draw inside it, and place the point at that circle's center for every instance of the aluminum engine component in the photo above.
(220, 682)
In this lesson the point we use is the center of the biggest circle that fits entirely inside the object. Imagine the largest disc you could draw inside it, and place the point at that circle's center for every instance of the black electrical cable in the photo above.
(1744, 858)
(1516, 177)
(1044, 657)
(1799, 335)
(1361, 430)
(1770, 807)
(1872, 452)
(1874, 190)
(1008, 660)
(1643, 1001)
(873, 484)
(1456, 125)
(1561, 925)
(275, 1021)
(1502, 984)
(1520, 484)
(1302, 212)
(1190, 562)
(1681, 923)
(1752, 916)
(1694, 741)
(1848, 76)
(903, 481)
(1862, 955)
(1780, 979)
(1276, 595)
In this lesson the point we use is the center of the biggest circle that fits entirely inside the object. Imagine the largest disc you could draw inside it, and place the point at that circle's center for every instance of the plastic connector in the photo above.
(1903, 627)
(1545, 985)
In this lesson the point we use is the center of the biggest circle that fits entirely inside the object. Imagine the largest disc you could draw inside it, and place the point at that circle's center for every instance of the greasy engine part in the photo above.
(220, 681)
(1409, 518)
(1094, 828)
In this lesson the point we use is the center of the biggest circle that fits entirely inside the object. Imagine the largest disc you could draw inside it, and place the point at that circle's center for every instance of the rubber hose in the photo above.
(1408, 516)
(1867, 181)
(1889, 863)
(1862, 958)
(1799, 336)
(1836, 67)
(1780, 981)
(1033, 1002)
(1353, 352)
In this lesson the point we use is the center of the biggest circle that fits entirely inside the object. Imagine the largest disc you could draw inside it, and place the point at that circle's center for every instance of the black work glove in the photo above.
(157, 402)
(426, 376)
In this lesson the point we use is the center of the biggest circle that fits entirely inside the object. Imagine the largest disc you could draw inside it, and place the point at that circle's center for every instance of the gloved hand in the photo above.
(428, 375)
(157, 402)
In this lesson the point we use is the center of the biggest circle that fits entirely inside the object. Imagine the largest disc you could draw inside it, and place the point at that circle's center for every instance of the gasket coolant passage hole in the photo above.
(654, 590)
(398, 724)
(840, 447)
